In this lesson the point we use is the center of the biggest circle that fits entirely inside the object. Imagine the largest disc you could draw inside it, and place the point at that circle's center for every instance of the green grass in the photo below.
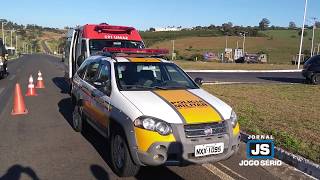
(151, 38)
(289, 112)
(280, 45)
(230, 66)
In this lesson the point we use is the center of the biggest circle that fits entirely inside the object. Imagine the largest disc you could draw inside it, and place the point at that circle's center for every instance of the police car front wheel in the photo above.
(120, 156)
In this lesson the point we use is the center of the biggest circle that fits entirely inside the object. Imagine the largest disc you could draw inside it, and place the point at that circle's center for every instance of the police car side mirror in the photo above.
(199, 81)
(80, 60)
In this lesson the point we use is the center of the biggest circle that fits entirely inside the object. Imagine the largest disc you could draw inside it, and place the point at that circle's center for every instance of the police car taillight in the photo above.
(137, 51)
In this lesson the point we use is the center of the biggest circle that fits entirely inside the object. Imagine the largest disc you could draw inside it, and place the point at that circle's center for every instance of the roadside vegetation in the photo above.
(289, 112)
(279, 45)
(202, 65)
(30, 34)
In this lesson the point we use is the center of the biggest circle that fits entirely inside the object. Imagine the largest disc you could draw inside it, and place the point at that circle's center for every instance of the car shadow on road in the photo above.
(100, 143)
(15, 172)
(99, 172)
(61, 83)
(284, 79)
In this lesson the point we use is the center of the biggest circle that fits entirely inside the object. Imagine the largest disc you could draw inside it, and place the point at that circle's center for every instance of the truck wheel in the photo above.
(120, 157)
(315, 79)
(77, 118)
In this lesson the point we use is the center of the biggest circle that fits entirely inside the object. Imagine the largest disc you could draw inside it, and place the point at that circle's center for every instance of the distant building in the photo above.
(228, 54)
(11, 50)
(169, 28)
(238, 53)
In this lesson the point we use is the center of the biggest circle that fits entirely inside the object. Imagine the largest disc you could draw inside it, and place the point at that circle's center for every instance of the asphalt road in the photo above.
(43, 145)
(250, 77)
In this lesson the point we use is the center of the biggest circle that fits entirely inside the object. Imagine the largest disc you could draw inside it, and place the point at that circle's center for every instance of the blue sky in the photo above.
(143, 14)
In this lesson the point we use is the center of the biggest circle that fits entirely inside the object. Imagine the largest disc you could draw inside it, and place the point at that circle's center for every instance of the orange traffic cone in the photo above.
(40, 83)
(31, 90)
(18, 102)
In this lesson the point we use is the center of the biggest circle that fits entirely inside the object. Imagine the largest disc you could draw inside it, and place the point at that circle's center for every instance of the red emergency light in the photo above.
(151, 52)
(104, 28)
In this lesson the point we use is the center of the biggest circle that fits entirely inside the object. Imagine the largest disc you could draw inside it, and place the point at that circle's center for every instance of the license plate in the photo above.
(208, 149)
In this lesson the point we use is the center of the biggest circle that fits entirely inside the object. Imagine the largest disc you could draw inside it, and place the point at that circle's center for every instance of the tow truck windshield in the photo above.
(98, 44)
(146, 76)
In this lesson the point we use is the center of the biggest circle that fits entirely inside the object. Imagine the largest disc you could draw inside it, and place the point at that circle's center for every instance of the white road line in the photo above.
(12, 77)
(217, 172)
(235, 173)
(1, 90)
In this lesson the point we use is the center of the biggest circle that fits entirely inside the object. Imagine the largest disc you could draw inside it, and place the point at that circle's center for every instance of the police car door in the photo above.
(88, 89)
(101, 95)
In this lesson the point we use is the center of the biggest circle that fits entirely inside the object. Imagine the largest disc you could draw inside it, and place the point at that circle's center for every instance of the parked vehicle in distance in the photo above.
(84, 41)
(311, 70)
(151, 111)
(3, 60)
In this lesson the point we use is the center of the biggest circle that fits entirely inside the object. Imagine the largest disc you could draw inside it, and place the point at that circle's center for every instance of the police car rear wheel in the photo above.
(77, 118)
(120, 156)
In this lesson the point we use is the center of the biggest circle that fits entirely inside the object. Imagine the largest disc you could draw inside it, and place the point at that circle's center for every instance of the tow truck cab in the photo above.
(85, 41)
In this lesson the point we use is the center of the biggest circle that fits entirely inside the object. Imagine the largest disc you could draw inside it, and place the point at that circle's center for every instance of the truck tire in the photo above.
(121, 159)
(77, 118)
(315, 79)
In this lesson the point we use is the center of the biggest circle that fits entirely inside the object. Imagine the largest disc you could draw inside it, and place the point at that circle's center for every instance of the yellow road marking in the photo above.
(235, 173)
(217, 172)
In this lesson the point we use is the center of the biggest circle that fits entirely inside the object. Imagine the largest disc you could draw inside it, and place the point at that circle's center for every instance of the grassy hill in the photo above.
(280, 45)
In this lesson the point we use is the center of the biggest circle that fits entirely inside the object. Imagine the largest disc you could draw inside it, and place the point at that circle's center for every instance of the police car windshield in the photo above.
(96, 45)
(133, 76)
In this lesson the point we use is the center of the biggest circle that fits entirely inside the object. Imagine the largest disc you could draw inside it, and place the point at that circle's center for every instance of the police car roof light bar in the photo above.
(104, 28)
(148, 52)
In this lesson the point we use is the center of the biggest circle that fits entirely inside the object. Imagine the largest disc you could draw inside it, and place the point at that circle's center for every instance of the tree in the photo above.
(317, 24)
(227, 26)
(152, 29)
(292, 25)
(264, 24)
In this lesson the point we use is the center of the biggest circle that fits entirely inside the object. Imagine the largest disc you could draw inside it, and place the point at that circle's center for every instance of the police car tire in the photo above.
(129, 168)
(315, 79)
(79, 126)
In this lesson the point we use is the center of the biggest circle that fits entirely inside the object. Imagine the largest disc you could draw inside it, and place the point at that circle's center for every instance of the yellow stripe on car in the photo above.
(193, 109)
(144, 60)
(146, 138)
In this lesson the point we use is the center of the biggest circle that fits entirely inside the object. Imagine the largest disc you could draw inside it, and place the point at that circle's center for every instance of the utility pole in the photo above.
(302, 32)
(312, 42)
(172, 58)
(226, 41)
(11, 32)
(2, 23)
(244, 40)
(16, 43)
